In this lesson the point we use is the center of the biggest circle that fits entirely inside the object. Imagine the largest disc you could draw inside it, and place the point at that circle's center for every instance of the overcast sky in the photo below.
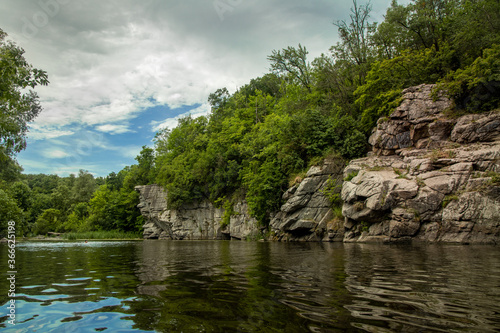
(119, 70)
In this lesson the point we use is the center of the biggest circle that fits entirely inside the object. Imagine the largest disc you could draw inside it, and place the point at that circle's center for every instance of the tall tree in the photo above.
(354, 50)
(84, 186)
(292, 62)
(355, 35)
(18, 104)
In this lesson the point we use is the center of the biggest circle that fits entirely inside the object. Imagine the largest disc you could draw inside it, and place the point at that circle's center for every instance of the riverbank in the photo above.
(91, 235)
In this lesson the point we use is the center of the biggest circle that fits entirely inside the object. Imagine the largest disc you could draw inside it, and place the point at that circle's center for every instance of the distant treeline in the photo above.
(257, 141)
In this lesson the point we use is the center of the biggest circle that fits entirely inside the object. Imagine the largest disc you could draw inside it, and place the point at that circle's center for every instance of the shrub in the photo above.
(351, 175)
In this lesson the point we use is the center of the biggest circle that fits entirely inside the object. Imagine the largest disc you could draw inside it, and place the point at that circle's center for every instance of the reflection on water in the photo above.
(424, 289)
(230, 286)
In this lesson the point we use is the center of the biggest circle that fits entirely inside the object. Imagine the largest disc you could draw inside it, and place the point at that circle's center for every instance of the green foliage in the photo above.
(381, 93)
(354, 145)
(351, 175)
(109, 210)
(354, 48)
(83, 187)
(473, 27)
(449, 198)
(365, 226)
(337, 212)
(48, 221)
(268, 85)
(9, 211)
(495, 177)
(10, 170)
(476, 88)
(113, 234)
(21, 193)
(400, 173)
(332, 191)
(18, 104)
(264, 183)
(228, 212)
(183, 148)
(292, 63)
(145, 168)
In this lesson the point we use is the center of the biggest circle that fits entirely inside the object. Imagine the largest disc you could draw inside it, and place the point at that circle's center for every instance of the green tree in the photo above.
(474, 27)
(110, 210)
(292, 63)
(83, 187)
(355, 35)
(476, 88)
(18, 104)
(354, 50)
(21, 192)
(9, 211)
(419, 25)
(10, 170)
(146, 160)
(268, 84)
(49, 221)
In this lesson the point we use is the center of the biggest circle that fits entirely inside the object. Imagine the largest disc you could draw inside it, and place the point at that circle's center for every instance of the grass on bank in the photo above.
(113, 234)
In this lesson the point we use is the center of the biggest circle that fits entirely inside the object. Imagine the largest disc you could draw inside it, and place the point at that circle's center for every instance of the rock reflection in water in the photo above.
(424, 288)
(233, 286)
(322, 287)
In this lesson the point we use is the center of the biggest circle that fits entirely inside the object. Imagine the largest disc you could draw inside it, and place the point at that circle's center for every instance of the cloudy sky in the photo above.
(119, 70)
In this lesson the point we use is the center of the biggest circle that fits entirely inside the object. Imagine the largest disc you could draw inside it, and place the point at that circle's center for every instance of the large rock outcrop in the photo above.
(195, 221)
(307, 213)
(430, 177)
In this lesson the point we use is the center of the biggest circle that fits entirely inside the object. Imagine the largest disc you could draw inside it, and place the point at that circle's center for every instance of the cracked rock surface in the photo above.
(441, 185)
(195, 221)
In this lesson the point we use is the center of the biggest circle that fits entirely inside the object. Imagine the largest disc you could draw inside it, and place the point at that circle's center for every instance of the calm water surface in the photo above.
(232, 286)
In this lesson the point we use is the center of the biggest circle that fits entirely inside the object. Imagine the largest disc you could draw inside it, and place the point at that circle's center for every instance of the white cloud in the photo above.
(170, 123)
(114, 129)
(37, 132)
(114, 60)
(55, 153)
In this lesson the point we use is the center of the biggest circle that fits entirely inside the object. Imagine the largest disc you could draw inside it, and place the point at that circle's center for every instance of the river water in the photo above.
(234, 286)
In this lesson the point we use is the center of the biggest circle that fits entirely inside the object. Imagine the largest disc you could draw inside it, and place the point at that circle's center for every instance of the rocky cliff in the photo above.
(307, 213)
(429, 178)
(193, 221)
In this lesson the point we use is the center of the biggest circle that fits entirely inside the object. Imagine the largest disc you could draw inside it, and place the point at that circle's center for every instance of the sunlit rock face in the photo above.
(194, 221)
(429, 178)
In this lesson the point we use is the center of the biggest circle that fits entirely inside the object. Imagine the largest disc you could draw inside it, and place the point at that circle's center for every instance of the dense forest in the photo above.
(261, 139)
